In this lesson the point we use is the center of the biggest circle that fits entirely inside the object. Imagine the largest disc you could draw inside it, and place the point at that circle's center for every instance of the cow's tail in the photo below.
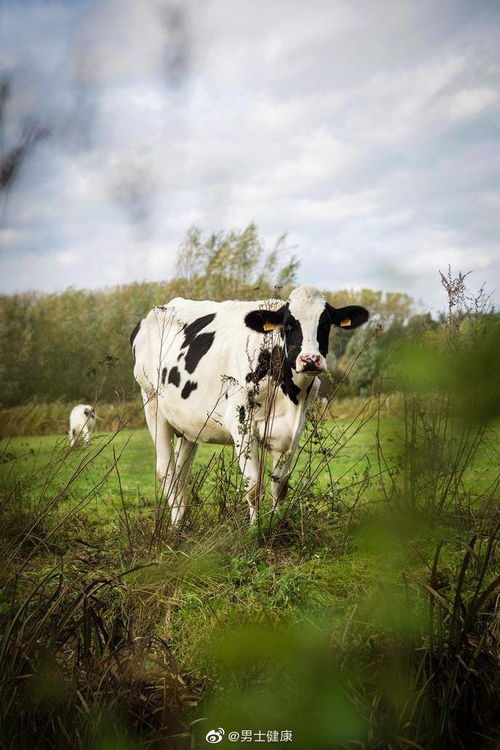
(133, 335)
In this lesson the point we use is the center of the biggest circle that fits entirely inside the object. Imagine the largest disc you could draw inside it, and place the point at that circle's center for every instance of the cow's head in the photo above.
(304, 322)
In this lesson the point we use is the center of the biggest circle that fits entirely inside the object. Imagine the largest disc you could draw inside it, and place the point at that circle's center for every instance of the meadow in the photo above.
(362, 615)
(29, 456)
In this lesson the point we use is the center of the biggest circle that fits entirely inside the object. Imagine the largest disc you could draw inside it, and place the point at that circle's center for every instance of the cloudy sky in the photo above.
(368, 130)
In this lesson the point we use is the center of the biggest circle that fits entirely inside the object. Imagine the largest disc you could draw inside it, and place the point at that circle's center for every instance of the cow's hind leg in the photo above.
(162, 434)
(184, 454)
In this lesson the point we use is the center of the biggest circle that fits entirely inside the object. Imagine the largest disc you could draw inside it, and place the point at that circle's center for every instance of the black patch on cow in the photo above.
(87, 412)
(196, 343)
(323, 332)
(163, 375)
(189, 386)
(269, 362)
(133, 335)
(288, 386)
(293, 336)
(274, 363)
(241, 414)
(251, 402)
(174, 377)
(193, 329)
(200, 346)
(262, 368)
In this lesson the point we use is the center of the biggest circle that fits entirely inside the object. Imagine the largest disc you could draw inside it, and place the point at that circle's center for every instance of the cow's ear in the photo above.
(264, 321)
(348, 317)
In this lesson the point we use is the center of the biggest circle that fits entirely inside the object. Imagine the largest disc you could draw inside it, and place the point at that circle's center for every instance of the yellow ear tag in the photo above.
(269, 326)
(345, 322)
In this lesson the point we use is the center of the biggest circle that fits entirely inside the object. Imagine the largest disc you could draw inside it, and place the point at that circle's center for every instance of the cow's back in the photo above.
(195, 356)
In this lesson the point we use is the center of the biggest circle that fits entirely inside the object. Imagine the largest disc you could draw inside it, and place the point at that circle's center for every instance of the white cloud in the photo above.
(368, 134)
(472, 102)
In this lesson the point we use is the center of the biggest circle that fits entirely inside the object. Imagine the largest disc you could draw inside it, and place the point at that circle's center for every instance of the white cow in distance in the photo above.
(233, 372)
(82, 421)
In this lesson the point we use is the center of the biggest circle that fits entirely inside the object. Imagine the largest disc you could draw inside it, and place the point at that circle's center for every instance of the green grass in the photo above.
(344, 604)
(132, 451)
(337, 560)
(127, 458)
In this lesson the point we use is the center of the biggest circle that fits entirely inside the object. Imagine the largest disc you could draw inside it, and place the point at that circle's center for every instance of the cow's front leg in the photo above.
(86, 435)
(248, 459)
(282, 463)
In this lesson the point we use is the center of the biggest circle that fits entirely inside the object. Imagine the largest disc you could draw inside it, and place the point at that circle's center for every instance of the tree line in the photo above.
(74, 345)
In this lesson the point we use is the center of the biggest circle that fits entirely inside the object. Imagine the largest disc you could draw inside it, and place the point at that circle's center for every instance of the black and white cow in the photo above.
(240, 372)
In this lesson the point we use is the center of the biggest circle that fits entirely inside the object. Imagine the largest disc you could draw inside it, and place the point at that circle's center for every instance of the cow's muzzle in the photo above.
(310, 364)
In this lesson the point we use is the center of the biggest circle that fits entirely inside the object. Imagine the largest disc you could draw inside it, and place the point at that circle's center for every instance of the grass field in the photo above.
(135, 451)
(361, 617)
(120, 467)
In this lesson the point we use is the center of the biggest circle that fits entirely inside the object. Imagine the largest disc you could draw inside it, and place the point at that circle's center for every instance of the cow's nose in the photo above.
(309, 363)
